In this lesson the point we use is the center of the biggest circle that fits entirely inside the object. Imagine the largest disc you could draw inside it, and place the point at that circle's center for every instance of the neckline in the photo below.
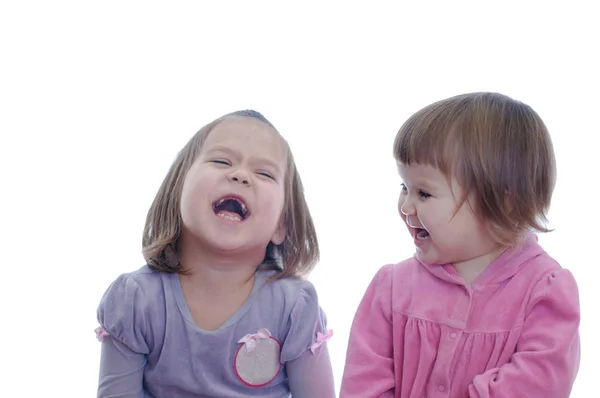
(503, 267)
(259, 280)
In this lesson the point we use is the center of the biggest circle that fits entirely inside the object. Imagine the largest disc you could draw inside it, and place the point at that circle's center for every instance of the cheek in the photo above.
(193, 197)
(467, 222)
(273, 201)
(280, 203)
(440, 217)
(189, 194)
(187, 207)
(185, 199)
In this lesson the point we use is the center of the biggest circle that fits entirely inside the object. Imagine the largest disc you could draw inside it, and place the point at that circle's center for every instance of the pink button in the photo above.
(452, 335)
(441, 388)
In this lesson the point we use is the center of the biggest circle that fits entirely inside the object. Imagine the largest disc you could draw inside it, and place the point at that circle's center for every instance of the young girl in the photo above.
(219, 310)
(481, 310)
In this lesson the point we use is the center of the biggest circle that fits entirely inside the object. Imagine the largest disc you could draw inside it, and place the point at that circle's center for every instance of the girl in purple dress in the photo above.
(221, 309)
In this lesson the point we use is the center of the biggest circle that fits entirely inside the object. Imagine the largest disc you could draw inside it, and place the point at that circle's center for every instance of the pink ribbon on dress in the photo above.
(250, 340)
(101, 334)
(321, 338)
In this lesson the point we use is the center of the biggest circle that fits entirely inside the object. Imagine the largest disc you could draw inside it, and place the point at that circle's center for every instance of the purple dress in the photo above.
(271, 347)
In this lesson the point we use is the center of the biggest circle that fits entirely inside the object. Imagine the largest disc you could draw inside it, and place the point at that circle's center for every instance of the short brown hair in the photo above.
(498, 149)
(295, 256)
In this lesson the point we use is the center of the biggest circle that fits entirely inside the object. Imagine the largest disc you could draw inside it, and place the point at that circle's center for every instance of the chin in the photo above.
(430, 259)
(423, 258)
(238, 246)
(231, 246)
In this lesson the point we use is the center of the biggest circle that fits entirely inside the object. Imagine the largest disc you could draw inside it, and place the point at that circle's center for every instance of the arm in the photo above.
(121, 371)
(369, 370)
(122, 314)
(547, 357)
(311, 376)
(304, 351)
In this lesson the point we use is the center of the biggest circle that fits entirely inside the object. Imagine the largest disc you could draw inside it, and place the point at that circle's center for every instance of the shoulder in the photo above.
(407, 267)
(144, 277)
(391, 280)
(543, 264)
(394, 275)
(297, 311)
(130, 303)
(290, 291)
(551, 282)
(540, 269)
(531, 264)
(140, 284)
(289, 300)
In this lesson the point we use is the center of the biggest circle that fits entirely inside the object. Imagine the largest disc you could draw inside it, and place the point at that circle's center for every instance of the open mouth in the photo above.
(421, 234)
(231, 208)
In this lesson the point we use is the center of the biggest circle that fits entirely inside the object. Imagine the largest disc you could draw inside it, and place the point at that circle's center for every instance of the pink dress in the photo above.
(420, 331)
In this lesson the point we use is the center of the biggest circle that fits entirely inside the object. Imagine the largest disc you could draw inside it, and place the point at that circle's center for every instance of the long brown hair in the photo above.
(295, 256)
(498, 149)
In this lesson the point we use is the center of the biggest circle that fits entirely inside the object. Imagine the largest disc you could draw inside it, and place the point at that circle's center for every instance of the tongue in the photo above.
(422, 234)
(230, 207)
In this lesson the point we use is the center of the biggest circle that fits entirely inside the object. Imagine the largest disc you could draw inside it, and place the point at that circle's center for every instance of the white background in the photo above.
(96, 98)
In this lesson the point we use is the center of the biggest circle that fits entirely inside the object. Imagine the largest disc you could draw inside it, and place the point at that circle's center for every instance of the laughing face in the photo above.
(233, 195)
(444, 231)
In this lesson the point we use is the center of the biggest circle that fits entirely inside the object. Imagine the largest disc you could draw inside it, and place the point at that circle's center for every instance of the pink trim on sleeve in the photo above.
(101, 334)
(321, 338)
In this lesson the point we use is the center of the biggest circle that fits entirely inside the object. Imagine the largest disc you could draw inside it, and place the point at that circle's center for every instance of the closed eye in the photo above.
(225, 162)
(423, 194)
(265, 174)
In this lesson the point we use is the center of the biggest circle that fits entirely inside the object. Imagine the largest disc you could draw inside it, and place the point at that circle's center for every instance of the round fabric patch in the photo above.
(258, 366)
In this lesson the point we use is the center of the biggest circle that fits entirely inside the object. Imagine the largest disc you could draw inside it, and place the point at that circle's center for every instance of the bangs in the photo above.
(499, 151)
(429, 137)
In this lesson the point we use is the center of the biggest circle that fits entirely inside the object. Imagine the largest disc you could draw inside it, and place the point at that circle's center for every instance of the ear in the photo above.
(279, 235)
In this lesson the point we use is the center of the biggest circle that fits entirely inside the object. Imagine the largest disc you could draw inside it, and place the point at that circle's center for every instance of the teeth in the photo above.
(230, 217)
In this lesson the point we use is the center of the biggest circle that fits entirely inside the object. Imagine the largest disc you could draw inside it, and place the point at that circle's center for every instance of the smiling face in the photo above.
(233, 195)
(444, 230)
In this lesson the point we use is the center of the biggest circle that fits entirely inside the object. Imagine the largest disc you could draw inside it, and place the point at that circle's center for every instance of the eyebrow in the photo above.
(266, 161)
(424, 184)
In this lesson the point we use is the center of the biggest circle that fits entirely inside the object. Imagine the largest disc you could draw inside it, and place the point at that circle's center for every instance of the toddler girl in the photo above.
(481, 310)
(220, 309)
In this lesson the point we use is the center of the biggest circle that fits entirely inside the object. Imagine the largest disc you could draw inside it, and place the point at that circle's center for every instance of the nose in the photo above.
(240, 176)
(406, 206)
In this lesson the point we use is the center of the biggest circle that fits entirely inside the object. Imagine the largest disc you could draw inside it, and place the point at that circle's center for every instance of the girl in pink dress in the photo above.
(481, 310)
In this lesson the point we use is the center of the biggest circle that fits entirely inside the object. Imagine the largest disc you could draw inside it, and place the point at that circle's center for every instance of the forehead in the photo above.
(247, 135)
(420, 173)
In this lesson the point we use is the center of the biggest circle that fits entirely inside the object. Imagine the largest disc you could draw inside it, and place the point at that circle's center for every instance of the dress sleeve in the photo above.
(369, 370)
(121, 371)
(307, 325)
(304, 352)
(548, 352)
(123, 325)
